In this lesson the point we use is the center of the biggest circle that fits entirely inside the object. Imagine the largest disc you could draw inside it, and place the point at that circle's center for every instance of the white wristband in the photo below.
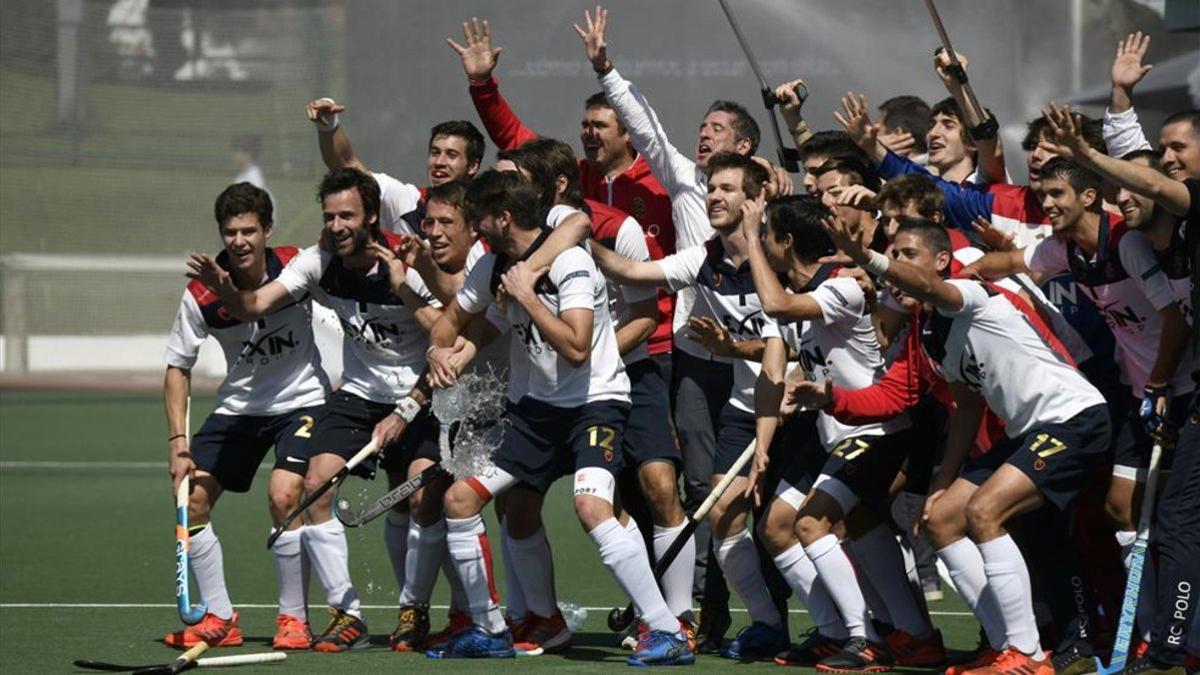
(408, 409)
(877, 263)
(326, 123)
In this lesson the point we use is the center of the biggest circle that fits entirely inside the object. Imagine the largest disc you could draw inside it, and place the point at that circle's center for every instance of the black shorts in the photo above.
(1058, 457)
(230, 447)
(978, 469)
(801, 452)
(647, 431)
(927, 441)
(544, 442)
(344, 425)
(1132, 441)
(868, 465)
(735, 430)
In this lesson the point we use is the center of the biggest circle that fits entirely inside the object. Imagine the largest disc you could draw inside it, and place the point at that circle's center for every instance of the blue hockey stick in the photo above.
(188, 613)
(1133, 583)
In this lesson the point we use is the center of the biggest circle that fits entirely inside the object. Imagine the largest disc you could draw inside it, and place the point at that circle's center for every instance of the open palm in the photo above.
(478, 57)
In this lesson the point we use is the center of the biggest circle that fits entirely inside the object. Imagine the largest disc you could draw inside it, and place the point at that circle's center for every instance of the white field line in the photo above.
(89, 465)
(165, 605)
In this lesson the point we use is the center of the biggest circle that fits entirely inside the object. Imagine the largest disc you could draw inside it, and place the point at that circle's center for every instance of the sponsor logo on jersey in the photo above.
(530, 338)
(749, 326)
(373, 331)
(269, 347)
(1122, 318)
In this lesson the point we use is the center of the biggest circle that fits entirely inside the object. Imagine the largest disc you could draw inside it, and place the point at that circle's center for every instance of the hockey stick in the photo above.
(955, 67)
(188, 613)
(394, 496)
(358, 458)
(619, 619)
(214, 662)
(789, 158)
(1133, 582)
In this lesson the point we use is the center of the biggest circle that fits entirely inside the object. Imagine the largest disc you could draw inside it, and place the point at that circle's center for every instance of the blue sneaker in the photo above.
(660, 648)
(476, 643)
(757, 641)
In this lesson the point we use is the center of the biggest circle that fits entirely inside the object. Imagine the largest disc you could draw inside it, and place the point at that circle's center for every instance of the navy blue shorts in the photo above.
(230, 447)
(800, 450)
(544, 442)
(647, 430)
(868, 464)
(735, 430)
(1132, 441)
(344, 425)
(1056, 457)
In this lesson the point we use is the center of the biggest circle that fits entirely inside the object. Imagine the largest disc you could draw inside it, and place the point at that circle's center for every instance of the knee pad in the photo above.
(592, 481)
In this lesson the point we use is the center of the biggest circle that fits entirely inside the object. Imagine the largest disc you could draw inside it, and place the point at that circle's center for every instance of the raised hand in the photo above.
(397, 270)
(857, 121)
(789, 103)
(1127, 67)
(478, 57)
(1066, 136)
(811, 395)
(593, 39)
(711, 334)
(204, 269)
(859, 196)
(752, 216)
(323, 112)
(848, 240)
(995, 239)
(779, 181)
(941, 65)
(899, 141)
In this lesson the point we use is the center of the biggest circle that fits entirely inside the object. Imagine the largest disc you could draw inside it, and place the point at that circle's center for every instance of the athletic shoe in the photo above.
(550, 634)
(983, 656)
(689, 630)
(858, 656)
(916, 652)
(1014, 662)
(1074, 660)
(633, 634)
(1137, 649)
(1147, 666)
(291, 632)
(345, 631)
(476, 643)
(810, 651)
(757, 641)
(714, 623)
(932, 591)
(214, 630)
(661, 648)
(412, 627)
(459, 621)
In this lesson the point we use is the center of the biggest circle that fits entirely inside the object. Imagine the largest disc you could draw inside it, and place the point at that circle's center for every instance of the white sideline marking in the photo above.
(22, 464)
(166, 605)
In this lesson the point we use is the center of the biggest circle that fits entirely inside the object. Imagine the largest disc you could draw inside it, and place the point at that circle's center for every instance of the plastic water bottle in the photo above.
(574, 615)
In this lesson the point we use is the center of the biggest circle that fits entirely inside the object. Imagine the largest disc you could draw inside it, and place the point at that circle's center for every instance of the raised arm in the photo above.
(998, 264)
(990, 151)
(336, 151)
(574, 229)
(777, 303)
(244, 305)
(790, 105)
(1121, 129)
(625, 271)
(479, 59)
(1068, 142)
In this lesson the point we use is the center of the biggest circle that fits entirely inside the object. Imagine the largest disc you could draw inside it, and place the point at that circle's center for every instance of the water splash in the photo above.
(476, 404)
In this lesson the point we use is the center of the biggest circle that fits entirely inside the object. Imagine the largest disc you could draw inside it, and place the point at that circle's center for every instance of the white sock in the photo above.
(965, 563)
(426, 550)
(631, 569)
(677, 579)
(880, 558)
(208, 567)
(515, 605)
(534, 568)
(801, 575)
(1126, 539)
(836, 572)
(467, 540)
(739, 561)
(458, 594)
(1008, 583)
(326, 546)
(290, 572)
(395, 538)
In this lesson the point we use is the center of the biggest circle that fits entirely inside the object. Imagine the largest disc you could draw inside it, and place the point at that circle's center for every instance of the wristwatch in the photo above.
(408, 409)
(986, 130)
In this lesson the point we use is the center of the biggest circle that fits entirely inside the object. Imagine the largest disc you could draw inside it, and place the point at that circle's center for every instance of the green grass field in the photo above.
(86, 553)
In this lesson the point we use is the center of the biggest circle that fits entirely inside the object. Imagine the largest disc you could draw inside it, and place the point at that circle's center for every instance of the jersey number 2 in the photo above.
(305, 431)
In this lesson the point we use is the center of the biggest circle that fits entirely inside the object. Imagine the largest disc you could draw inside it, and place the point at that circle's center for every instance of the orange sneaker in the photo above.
(459, 621)
(1013, 662)
(914, 652)
(548, 633)
(344, 632)
(214, 630)
(291, 632)
(982, 656)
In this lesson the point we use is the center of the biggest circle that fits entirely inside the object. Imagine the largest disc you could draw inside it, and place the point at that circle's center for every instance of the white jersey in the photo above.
(384, 347)
(842, 345)
(396, 199)
(535, 369)
(1128, 286)
(726, 294)
(271, 365)
(994, 348)
(629, 242)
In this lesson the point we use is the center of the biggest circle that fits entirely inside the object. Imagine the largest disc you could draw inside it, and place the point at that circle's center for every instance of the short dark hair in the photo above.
(452, 194)
(464, 130)
(908, 113)
(339, 180)
(934, 235)
(1091, 128)
(744, 125)
(598, 100)
(1192, 116)
(494, 192)
(801, 216)
(1152, 157)
(242, 198)
(860, 171)
(1079, 177)
(830, 144)
(753, 175)
(546, 159)
(914, 187)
